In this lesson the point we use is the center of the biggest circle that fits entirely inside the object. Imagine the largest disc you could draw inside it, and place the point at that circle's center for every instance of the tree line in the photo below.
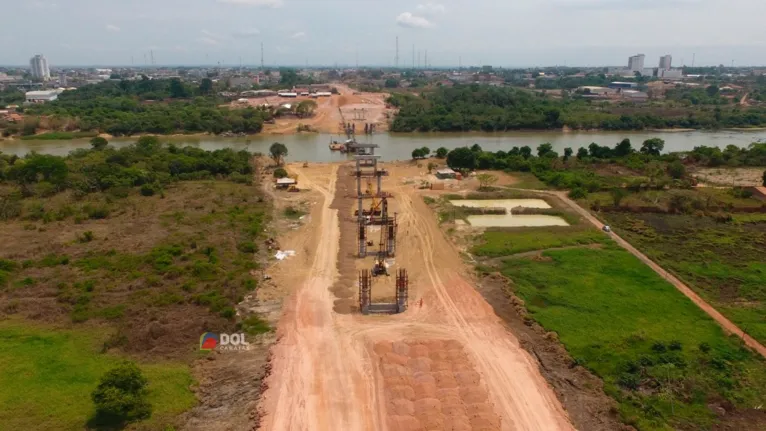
(486, 108)
(151, 106)
(147, 165)
(572, 169)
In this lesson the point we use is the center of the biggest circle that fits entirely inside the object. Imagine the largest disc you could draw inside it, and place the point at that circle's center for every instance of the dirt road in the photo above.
(448, 363)
(727, 324)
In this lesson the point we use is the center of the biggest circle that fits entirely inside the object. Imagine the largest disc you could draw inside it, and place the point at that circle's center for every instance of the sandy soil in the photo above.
(331, 112)
(745, 177)
(447, 363)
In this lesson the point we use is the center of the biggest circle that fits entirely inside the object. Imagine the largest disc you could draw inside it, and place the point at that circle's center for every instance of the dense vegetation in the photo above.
(146, 164)
(142, 106)
(486, 108)
(590, 169)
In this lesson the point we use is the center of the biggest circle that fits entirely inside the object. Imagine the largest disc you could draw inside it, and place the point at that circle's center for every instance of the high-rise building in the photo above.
(39, 66)
(636, 63)
(665, 62)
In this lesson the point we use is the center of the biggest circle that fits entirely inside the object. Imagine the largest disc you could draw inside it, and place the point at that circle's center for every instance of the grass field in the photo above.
(659, 355)
(505, 242)
(724, 262)
(48, 376)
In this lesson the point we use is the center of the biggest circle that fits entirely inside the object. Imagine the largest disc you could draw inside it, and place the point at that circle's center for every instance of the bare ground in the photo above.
(447, 363)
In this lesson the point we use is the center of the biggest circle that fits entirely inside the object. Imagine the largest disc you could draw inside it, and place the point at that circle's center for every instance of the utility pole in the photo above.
(261, 56)
(426, 60)
(357, 60)
(152, 56)
(396, 59)
(460, 63)
(413, 56)
(418, 59)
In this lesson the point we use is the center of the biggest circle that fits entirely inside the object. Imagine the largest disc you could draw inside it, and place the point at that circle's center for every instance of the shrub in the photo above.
(578, 193)
(280, 173)
(121, 396)
(247, 247)
(86, 236)
(96, 213)
(148, 190)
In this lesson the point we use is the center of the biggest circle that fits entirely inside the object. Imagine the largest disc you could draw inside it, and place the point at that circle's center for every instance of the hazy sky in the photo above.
(499, 32)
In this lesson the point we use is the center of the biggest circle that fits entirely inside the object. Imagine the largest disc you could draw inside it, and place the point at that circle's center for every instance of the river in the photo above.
(399, 146)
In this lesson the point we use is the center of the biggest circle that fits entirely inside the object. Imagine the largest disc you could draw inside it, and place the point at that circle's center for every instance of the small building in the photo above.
(600, 91)
(759, 193)
(635, 96)
(284, 183)
(288, 94)
(618, 84)
(41, 96)
(446, 173)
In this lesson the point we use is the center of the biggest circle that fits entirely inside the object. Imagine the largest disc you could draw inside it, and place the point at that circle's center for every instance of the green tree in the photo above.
(578, 193)
(544, 149)
(121, 396)
(278, 152)
(38, 167)
(280, 173)
(441, 152)
(567, 153)
(653, 147)
(306, 108)
(623, 148)
(525, 151)
(417, 153)
(461, 158)
(98, 143)
(177, 89)
(206, 86)
(486, 180)
(617, 195)
(763, 182)
(391, 83)
(582, 153)
(677, 170)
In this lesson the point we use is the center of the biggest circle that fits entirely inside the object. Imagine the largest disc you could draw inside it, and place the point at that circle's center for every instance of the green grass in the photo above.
(48, 376)
(60, 136)
(659, 355)
(723, 262)
(527, 180)
(504, 242)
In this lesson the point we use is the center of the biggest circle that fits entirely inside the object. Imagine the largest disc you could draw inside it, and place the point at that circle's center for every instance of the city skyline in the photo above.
(295, 32)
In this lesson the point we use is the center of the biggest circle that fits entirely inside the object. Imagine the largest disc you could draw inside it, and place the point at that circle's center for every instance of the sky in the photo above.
(507, 33)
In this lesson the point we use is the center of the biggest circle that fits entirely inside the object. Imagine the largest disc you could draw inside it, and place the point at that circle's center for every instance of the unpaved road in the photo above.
(448, 363)
(727, 324)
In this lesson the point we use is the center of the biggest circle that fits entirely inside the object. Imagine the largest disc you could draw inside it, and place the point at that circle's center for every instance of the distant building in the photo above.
(635, 96)
(623, 85)
(671, 74)
(39, 67)
(666, 62)
(636, 63)
(62, 79)
(41, 96)
(600, 91)
(446, 173)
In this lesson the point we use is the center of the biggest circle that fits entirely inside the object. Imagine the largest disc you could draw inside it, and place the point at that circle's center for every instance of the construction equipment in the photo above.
(380, 267)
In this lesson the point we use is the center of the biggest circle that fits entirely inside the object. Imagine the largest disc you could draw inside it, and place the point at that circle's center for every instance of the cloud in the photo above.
(260, 3)
(112, 28)
(208, 40)
(408, 20)
(247, 32)
(210, 34)
(299, 35)
(431, 8)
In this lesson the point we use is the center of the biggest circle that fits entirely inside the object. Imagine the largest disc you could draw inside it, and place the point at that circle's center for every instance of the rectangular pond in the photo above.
(509, 220)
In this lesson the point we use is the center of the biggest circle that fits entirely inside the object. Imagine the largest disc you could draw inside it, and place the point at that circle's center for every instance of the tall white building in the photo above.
(39, 66)
(666, 61)
(636, 63)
